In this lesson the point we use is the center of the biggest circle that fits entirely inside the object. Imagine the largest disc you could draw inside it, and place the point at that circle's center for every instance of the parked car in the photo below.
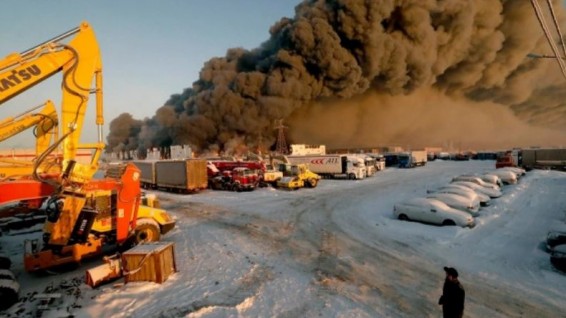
(558, 257)
(477, 180)
(479, 189)
(459, 202)
(555, 238)
(464, 191)
(518, 171)
(431, 211)
(492, 178)
(507, 176)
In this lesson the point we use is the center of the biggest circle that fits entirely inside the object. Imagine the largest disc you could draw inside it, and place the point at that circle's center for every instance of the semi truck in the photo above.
(411, 159)
(554, 159)
(186, 175)
(333, 166)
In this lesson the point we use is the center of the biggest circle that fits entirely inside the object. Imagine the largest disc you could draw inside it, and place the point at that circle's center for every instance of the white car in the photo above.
(459, 202)
(432, 211)
(492, 193)
(492, 178)
(518, 171)
(476, 180)
(464, 191)
(507, 176)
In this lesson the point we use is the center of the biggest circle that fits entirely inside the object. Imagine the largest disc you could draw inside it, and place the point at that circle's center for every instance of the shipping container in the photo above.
(186, 175)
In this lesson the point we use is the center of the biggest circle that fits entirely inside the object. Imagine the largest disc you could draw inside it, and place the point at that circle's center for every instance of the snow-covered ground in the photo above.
(334, 251)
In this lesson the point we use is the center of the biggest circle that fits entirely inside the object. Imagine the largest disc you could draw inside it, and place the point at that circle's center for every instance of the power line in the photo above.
(544, 27)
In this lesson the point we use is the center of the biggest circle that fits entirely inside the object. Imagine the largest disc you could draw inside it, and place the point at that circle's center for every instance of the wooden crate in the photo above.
(152, 262)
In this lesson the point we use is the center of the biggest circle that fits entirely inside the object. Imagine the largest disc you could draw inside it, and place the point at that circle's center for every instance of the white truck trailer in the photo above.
(333, 166)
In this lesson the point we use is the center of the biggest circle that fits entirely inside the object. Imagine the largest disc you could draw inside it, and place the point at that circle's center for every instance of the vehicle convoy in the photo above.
(463, 191)
(428, 210)
(182, 175)
(77, 203)
(333, 166)
(492, 193)
(477, 180)
(411, 159)
(554, 159)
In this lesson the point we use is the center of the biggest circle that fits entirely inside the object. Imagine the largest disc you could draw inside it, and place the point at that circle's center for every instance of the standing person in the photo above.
(453, 295)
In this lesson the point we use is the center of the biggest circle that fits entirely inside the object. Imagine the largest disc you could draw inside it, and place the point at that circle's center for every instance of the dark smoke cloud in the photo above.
(370, 58)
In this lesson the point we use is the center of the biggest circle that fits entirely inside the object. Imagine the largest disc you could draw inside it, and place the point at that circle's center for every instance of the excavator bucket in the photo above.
(107, 272)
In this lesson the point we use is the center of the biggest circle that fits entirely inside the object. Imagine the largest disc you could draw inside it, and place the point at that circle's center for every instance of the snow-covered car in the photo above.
(518, 171)
(555, 238)
(432, 211)
(492, 193)
(471, 206)
(464, 191)
(492, 178)
(507, 176)
(476, 180)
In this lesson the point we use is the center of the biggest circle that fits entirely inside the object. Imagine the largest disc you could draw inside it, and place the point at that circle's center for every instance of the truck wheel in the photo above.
(9, 289)
(313, 183)
(147, 230)
(352, 176)
(9, 297)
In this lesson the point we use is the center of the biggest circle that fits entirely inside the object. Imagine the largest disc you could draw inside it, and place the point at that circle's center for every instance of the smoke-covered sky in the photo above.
(361, 73)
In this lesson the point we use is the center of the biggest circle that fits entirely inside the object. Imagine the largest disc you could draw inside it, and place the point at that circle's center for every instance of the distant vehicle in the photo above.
(411, 159)
(558, 257)
(476, 180)
(457, 201)
(506, 176)
(510, 158)
(431, 211)
(555, 238)
(492, 193)
(463, 191)
(333, 166)
(554, 159)
(391, 159)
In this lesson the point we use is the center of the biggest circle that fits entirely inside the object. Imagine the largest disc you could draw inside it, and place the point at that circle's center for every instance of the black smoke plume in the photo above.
(366, 73)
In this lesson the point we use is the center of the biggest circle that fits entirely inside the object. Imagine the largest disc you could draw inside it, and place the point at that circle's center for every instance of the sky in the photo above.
(332, 251)
(150, 49)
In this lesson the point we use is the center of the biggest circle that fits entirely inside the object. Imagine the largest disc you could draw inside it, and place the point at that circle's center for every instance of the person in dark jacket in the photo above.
(453, 295)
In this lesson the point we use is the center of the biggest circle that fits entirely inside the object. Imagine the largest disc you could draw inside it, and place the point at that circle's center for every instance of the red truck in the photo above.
(238, 179)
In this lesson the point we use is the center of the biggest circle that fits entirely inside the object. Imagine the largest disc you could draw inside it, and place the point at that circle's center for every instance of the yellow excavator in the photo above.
(43, 119)
(83, 213)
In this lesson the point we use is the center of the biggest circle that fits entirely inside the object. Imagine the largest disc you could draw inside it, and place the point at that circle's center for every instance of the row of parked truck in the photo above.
(193, 175)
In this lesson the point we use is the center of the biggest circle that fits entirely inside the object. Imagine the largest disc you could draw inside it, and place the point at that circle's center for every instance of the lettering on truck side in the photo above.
(19, 76)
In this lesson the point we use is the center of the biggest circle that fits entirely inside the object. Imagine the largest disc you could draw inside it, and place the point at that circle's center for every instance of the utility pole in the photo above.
(281, 143)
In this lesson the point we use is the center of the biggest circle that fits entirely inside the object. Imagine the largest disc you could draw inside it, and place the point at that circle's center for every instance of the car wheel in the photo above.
(448, 222)
(352, 176)
(403, 217)
(147, 230)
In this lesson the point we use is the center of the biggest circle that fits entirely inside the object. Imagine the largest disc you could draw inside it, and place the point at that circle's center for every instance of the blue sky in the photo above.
(150, 49)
